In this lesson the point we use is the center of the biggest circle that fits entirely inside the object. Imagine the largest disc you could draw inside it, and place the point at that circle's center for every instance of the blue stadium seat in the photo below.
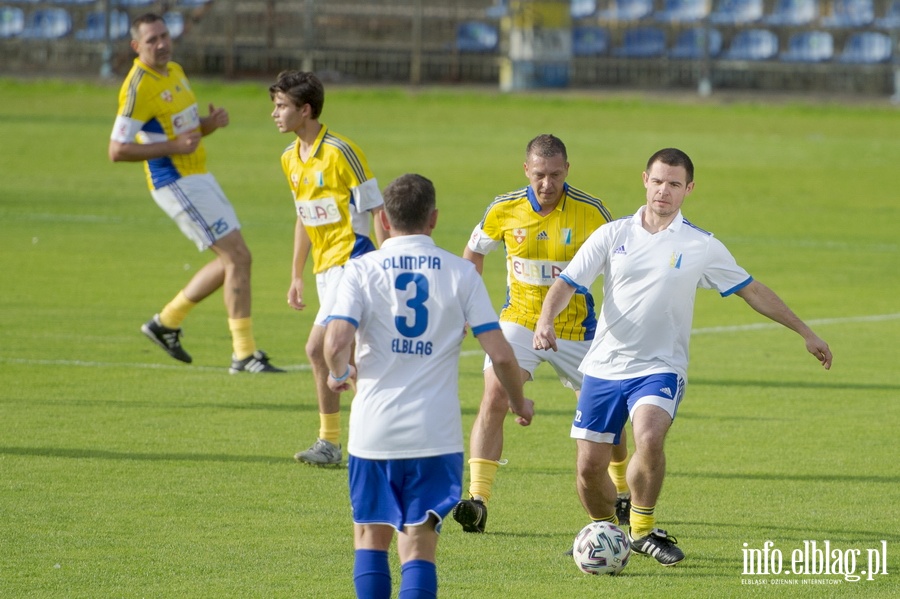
(753, 44)
(642, 42)
(809, 46)
(48, 24)
(736, 12)
(581, 9)
(792, 13)
(175, 22)
(891, 18)
(476, 36)
(192, 3)
(133, 3)
(589, 41)
(850, 13)
(866, 47)
(626, 10)
(95, 26)
(12, 21)
(689, 44)
(682, 11)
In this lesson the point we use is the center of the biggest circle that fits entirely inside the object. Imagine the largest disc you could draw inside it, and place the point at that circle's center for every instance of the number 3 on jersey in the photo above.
(416, 303)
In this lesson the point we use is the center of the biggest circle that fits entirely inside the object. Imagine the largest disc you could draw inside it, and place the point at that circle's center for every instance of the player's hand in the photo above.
(295, 295)
(820, 350)
(348, 384)
(525, 414)
(218, 117)
(544, 337)
(187, 143)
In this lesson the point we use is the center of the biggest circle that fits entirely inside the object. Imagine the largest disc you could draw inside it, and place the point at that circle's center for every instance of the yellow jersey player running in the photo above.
(158, 123)
(542, 226)
(334, 195)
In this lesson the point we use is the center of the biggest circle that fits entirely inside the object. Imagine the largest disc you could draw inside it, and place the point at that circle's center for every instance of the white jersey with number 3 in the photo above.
(410, 301)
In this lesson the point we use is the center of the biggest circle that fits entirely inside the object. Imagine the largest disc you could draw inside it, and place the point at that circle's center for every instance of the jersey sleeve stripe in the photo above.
(131, 95)
(484, 328)
(352, 321)
(348, 153)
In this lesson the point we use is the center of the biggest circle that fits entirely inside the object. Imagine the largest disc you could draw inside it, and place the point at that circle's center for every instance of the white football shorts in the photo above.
(565, 361)
(199, 207)
(327, 283)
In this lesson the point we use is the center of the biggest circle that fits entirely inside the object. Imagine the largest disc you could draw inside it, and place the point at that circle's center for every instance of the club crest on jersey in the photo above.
(566, 236)
(320, 179)
(519, 235)
(675, 260)
(166, 96)
(295, 179)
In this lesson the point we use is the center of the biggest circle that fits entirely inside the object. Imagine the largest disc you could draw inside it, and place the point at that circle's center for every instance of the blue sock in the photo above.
(418, 580)
(372, 574)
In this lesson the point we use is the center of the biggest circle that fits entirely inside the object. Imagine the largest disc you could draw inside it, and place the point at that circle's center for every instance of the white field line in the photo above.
(762, 326)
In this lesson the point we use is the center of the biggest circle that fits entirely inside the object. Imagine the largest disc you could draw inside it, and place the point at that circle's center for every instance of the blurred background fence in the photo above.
(818, 46)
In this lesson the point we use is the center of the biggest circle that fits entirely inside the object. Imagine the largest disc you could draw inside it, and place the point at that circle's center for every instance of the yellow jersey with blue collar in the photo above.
(153, 108)
(538, 248)
(334, 190)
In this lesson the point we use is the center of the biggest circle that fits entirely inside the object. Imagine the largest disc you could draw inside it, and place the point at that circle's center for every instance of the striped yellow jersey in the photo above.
(154, 108)
(538, 248)
(334, 190)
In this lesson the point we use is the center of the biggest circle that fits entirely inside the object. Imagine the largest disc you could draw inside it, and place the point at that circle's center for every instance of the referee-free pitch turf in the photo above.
(126, 474)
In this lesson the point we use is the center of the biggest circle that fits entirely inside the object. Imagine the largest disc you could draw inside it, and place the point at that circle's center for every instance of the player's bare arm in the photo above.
(186, 143)
(507, 370)
(766, 302)
(557, 299)
(475, 258)
(217, 118)
(339, 336)
(302, 246)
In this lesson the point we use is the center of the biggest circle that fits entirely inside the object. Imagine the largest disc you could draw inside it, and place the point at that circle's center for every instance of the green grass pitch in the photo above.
(126, 474)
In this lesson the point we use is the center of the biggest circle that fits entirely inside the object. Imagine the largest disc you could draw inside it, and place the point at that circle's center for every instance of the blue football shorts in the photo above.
(406, 492)
(605, 405)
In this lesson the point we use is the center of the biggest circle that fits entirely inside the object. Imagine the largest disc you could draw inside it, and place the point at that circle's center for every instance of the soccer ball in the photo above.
(601, 548)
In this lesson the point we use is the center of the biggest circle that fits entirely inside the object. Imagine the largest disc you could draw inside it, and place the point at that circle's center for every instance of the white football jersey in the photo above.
(410, 301)
(649, 286)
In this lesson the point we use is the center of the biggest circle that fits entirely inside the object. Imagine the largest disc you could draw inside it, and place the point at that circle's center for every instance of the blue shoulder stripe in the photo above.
(348, 153)
(695, 227)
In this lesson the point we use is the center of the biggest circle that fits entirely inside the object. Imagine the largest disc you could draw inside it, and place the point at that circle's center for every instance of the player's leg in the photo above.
(327, 449)
(618, 467)
(653, 404)
(595, 488)
(371, 567)
(430, 488)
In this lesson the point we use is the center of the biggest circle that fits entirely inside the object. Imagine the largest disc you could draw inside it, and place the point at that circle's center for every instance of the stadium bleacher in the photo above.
(372, 40)
(809, 46)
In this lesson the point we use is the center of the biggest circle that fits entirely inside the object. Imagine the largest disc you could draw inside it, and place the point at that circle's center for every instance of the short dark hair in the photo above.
(409, 201)
(144, 19)
(673, 157)
(302, 88)
(546, 146)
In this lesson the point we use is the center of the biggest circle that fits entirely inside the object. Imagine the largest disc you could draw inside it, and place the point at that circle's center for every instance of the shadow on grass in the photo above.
(99, 454)
(792, 385)
(815, 478)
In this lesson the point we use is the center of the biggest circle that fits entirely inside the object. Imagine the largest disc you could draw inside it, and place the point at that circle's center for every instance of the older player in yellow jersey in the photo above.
(542, 226)
(335, 195)
(158, 123)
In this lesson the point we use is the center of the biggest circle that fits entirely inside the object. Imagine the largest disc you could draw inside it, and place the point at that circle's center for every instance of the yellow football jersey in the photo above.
(154, 108)
(334, 190)
(538, 248)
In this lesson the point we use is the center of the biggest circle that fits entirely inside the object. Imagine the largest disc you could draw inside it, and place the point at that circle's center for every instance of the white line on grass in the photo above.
(305, 367)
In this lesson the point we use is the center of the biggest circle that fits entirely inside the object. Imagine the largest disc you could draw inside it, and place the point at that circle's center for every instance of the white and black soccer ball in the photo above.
(601, 548)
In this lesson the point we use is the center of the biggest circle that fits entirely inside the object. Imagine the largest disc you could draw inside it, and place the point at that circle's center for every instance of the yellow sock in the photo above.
(242, 337)
(642, 520)
(481, 477)
(617, 474)
(174, 313)
(611, 519)
(330, 427)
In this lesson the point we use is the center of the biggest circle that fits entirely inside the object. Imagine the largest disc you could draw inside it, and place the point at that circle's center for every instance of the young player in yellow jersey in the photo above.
(158, 123)
(541, 226)
(335, 195)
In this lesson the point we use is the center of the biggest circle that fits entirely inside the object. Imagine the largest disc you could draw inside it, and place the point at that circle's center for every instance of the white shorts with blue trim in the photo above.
(605, 405)
(199, 207)
(407, 492)
(327, 283)
(565, 361)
